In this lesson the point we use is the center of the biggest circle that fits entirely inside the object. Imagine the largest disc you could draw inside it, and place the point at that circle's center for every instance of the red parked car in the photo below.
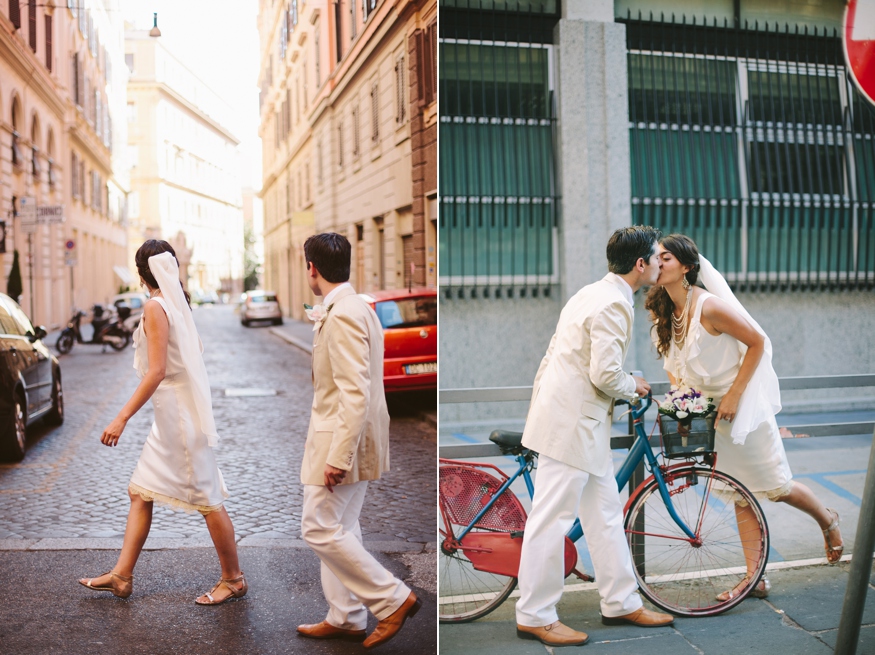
(409, 320)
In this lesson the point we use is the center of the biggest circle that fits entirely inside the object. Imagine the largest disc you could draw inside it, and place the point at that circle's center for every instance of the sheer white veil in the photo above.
(761, 399)
(166, 272)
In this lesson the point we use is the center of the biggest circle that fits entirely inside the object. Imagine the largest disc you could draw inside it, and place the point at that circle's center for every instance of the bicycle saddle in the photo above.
(509, 442)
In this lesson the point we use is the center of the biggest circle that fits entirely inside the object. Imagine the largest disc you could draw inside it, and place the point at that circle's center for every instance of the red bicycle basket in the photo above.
(466, 489)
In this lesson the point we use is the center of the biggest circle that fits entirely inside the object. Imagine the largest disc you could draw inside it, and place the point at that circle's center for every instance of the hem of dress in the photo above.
(773, 495)
(171, 502)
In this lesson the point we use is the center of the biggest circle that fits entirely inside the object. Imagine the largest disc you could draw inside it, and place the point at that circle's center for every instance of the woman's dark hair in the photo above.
(629, 244)
(658, 302)
(151, 248)
(330, 253)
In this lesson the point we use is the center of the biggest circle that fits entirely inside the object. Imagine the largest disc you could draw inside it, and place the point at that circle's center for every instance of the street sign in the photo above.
(27, 214)
(50, 214)
(70, 253)
(858, 43)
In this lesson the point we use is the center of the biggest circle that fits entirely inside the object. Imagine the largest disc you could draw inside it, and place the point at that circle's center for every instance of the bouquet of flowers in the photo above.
(683, 404)
(686, 423)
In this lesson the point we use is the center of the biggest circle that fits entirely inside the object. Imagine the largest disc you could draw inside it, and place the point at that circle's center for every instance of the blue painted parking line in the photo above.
(822, 480)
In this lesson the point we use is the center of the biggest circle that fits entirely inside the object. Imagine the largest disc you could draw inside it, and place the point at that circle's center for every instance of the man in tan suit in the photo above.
(568, 424)
(347, 445)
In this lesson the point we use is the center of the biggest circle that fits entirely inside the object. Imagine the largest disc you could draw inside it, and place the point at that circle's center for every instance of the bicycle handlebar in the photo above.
(638, 406)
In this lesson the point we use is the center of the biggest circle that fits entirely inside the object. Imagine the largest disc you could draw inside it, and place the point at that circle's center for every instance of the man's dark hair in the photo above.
(330, 253)
(629, 244)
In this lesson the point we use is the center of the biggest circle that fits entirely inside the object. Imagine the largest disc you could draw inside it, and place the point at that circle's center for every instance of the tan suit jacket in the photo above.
(349, 422)
(580, 376)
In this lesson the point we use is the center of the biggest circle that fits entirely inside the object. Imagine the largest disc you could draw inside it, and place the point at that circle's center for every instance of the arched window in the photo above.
(34, 149)
(50, 158)
(17, 158)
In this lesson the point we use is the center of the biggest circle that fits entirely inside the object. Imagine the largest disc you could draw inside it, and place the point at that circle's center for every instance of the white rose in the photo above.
(682, 414)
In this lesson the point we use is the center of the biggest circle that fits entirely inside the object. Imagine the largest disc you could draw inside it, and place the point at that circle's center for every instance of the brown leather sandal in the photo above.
(235, 593)
(761, 590)
(830, 550)
(122, 589)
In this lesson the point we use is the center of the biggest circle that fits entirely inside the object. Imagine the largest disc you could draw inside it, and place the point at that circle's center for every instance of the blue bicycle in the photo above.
(688, 541)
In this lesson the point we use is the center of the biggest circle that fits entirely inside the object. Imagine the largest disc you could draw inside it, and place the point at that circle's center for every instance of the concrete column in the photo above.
(593, 144)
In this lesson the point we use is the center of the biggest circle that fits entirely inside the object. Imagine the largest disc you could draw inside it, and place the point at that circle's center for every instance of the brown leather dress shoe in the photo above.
(643, 618)
(325, 630)
(389, 627)
(555, 634)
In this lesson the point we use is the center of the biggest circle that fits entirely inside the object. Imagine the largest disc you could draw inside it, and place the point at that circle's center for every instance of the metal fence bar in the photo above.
(502, 394)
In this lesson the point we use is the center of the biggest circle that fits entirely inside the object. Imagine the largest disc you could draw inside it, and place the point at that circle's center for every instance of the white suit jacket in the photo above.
(580, 376)
(349, 422)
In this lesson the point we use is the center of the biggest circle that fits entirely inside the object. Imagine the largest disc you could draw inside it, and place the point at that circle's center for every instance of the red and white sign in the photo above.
(858, 42)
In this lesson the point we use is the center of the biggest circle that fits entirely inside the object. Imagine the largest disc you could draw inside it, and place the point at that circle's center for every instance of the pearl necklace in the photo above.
(679, 327)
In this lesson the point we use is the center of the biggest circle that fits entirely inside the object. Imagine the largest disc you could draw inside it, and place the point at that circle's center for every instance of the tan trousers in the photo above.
(352, 579)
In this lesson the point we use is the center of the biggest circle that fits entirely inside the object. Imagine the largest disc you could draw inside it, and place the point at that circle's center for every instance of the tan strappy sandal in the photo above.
(832, 549)
(235, 593)
(123, 588)
(761, 590)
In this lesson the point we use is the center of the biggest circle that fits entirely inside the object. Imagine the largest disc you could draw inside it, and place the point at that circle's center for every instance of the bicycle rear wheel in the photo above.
(469, 590)
(684, 576)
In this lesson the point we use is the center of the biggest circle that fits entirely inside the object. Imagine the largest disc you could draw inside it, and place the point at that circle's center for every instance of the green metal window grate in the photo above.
(755, 143)
(497, 225)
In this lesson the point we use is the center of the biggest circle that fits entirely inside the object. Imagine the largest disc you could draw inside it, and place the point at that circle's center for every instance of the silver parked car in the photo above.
(261, 306)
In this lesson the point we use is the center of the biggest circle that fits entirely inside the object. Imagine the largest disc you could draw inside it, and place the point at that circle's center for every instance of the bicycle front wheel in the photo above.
(467, 590)
(682, 575)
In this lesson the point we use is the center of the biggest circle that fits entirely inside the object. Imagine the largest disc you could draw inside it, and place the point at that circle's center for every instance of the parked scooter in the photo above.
(109, 330)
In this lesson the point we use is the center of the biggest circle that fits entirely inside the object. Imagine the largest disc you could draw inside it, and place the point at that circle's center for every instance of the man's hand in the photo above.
(333, 476)
(642, 388)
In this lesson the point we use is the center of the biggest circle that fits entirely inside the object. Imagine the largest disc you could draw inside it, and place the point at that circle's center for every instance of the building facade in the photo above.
(185, 176)
(62, 85)
(561, 122)
(348, 127)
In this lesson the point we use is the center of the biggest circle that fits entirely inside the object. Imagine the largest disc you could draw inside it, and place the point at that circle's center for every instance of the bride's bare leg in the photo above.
(222, 533)
(136, 531)
(802, 498)
(750, 534)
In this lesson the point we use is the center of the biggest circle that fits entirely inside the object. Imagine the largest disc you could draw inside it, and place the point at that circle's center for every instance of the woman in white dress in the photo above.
(711, 343)
(177, 467)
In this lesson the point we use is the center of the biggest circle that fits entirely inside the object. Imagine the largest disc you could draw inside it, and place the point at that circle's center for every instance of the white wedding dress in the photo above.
(709, 364)
(177, 467)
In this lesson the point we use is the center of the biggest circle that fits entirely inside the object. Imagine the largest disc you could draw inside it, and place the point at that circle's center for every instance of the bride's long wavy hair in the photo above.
(658, 302)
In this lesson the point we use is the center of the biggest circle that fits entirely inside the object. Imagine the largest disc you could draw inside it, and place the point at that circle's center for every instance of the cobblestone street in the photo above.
(69, 486)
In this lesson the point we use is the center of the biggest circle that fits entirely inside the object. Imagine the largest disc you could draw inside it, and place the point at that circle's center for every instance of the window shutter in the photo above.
(400, 95)
(15, 13)
(74, 176)
(76, 78)
(375, 113)
(355, 131)
(48, 22)
(31, 23)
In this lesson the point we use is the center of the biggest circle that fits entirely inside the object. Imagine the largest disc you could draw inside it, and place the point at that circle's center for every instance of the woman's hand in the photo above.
(728, 407)
(113, 431)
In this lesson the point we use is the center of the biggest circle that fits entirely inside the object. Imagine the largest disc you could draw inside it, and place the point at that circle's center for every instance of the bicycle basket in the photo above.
(687, 439)
(465, 489)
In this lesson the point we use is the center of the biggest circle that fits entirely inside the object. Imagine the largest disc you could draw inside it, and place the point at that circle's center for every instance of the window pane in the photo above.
(794, 98)
(415, 312)
(681, 90)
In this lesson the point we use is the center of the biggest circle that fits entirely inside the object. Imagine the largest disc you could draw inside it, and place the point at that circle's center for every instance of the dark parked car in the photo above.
(30, 380)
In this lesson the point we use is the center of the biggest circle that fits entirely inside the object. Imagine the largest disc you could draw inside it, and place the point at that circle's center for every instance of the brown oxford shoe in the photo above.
(556, 634)
(389, 627)
(643, 618)
(325, 630)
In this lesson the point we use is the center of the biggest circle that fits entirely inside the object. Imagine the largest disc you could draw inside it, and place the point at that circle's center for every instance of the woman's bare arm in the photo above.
(157, 334)
(718, 316)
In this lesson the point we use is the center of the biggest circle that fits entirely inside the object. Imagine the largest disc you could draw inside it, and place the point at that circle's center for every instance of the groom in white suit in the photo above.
(569, 425)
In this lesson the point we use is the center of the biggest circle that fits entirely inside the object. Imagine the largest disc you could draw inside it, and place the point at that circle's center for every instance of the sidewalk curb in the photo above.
(298, 343)
(200, 541)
